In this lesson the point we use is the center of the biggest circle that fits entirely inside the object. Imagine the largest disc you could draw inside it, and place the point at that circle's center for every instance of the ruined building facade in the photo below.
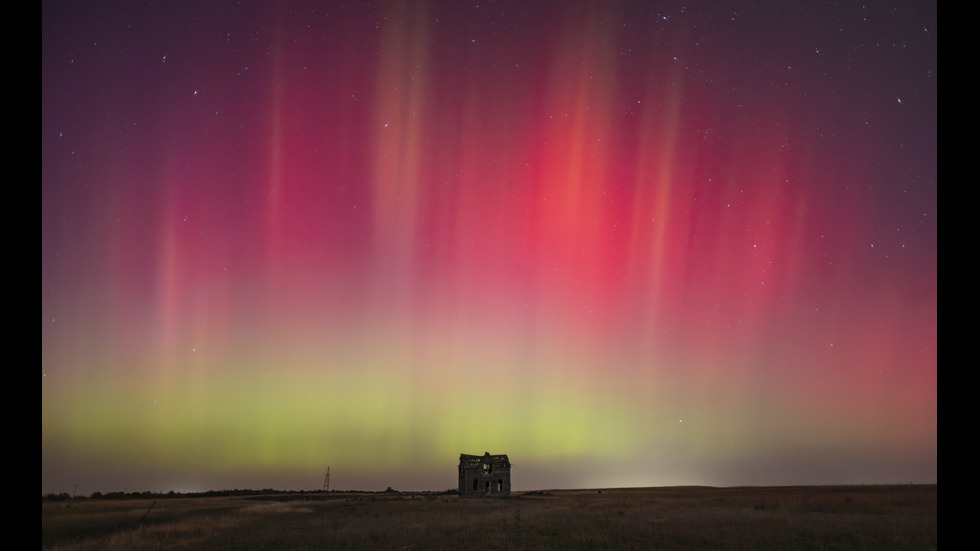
(484, 475)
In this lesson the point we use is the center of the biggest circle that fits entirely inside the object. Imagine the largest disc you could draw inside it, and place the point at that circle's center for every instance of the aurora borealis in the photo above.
(625, 243)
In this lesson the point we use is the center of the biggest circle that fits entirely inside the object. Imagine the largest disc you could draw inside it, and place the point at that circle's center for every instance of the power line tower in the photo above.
(326, 481)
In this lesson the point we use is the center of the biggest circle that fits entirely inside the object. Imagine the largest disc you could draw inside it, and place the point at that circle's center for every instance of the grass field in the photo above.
(867, 518)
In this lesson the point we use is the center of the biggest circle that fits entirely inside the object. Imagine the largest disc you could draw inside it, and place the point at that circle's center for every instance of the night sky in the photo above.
(627, 243)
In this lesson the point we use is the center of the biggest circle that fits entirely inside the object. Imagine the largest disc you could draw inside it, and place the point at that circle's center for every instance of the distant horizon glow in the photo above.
(622, 247)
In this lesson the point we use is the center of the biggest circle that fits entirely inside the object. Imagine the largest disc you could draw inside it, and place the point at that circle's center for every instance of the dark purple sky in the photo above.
(651, 242)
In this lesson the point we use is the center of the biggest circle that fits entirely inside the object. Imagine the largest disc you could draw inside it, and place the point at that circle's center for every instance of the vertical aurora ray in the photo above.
(631, 243)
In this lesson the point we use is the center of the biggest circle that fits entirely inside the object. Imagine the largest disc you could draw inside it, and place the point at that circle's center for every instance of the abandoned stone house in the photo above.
(484, 475)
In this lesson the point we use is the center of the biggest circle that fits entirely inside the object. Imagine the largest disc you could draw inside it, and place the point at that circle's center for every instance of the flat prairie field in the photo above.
(863, 518)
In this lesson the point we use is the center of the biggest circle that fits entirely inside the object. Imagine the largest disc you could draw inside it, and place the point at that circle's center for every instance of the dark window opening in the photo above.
(476, 484)
(488, 487)
(500, 485)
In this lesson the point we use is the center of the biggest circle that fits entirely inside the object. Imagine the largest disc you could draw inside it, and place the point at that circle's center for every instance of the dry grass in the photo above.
(822, 517)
